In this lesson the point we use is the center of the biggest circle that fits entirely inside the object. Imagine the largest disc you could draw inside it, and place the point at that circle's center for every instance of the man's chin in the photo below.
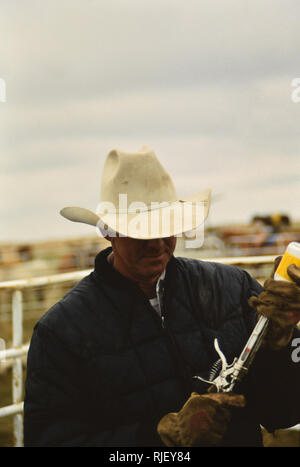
(154, 266)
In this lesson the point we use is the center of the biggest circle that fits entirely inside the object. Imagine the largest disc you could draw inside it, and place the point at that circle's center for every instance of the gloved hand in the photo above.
(202, 421)
(280, 302)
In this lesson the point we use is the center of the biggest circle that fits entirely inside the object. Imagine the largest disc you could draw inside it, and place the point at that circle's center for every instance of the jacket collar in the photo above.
(105, 272)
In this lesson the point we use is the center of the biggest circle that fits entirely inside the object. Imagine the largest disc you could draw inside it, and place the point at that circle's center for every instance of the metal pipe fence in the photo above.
(18, 350)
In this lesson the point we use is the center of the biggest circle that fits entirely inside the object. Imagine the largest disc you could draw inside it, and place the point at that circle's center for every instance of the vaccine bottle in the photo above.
(291, 256)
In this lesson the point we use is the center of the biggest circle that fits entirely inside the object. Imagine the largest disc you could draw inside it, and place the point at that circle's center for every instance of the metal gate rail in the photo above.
(19, 349)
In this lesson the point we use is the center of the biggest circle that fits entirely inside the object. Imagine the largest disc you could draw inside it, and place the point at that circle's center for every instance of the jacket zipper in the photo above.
(174, 348)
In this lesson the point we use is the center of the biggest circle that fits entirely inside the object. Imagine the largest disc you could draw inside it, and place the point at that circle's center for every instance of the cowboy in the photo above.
(112, 363)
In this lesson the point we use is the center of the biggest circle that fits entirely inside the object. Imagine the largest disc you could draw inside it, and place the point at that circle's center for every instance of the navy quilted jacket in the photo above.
(103, 368)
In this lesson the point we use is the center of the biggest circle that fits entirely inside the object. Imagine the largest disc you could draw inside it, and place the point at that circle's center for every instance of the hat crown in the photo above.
(138, 199)
(139, 175)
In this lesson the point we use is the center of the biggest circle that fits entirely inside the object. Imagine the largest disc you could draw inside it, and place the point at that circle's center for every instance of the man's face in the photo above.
(142, 259)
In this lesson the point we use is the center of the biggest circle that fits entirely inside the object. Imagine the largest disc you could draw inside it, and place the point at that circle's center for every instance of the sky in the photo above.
(206, 84)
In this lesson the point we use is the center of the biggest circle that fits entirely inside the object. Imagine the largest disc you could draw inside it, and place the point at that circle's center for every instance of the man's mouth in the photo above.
(156, 255)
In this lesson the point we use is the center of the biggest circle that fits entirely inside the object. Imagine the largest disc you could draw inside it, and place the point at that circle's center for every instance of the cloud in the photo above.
(256, 119)
(72, 49)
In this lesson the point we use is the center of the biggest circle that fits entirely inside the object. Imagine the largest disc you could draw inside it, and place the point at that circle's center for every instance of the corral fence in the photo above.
(15, 356)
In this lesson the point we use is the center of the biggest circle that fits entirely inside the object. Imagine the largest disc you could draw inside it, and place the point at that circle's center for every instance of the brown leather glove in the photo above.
(202, 421)
(280, 302)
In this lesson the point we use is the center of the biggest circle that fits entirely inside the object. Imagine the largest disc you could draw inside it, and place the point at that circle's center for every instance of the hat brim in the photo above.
(167, 220)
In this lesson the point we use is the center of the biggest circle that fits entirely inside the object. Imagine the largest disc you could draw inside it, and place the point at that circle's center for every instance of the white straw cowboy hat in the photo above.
(138, 199)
